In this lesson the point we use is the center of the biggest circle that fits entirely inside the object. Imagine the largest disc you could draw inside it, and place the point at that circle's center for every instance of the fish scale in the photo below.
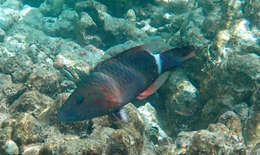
(134, 73)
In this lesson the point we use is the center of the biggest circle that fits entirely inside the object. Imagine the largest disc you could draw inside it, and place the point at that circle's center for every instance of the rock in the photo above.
(248, 65)
(67, 85)
(26, 131)
(63, 26)
(72, 58)
(232, 121)
(73, 139)
(124, 142)
(86, 22)
(31, 149)
(3, 116)
(45, 79)
(89, 6)
(226, 137)
(205, 141)
(154, 134)
(180, 6)
(242, 110)
(32, 17)
(11, 148)
(2, 35)
(114, 50)
(118, 8)
(35, 3)
(157, 16)
(51, 26)
(8, 17)
(121, 29)
(32, 102)
(129, 137)
(15, 44)
(252, 126)
(9, 91)
(181, 102)
(13, 4)
(13, 91)
(255, 98)
(154, 44)
(5, 80)
(148, 28)
(51, 7)
(130, 15)
(183, 141)
(6, 130)
(66, 22)
(113, 29)
(252, 11)
(152, 125)
(86, 31)
(193, 34)
(181, 99)
(72, 145)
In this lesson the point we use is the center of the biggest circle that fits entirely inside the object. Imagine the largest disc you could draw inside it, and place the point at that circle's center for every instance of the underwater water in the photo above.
(125, 77)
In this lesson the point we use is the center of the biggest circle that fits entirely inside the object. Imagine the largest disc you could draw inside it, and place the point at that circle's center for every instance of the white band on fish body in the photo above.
(158, 62)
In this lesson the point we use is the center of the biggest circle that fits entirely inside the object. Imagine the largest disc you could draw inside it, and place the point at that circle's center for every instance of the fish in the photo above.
(133, 74)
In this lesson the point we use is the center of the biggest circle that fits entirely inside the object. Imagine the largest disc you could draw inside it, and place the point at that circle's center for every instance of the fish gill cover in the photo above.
(210, 105)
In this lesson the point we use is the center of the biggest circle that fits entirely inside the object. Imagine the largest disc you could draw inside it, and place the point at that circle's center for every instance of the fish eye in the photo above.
(79, 99)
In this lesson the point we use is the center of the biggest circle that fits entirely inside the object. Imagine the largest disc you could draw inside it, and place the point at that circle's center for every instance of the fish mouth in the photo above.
(61, 116)
(66, 116)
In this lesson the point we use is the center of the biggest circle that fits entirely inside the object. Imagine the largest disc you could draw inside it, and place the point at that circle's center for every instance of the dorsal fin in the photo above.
(138, 48)
(125, 54)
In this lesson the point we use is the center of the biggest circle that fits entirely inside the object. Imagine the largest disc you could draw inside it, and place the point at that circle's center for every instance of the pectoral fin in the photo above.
(153, 87)
(121, 115)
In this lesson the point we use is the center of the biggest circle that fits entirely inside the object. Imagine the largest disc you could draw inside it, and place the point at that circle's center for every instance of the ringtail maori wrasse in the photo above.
(134, 73)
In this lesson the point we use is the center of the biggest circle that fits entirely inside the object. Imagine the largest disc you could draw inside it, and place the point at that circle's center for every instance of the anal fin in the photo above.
(153, 87)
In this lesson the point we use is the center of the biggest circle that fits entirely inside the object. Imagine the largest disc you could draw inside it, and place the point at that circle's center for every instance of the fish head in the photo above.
(81, 106)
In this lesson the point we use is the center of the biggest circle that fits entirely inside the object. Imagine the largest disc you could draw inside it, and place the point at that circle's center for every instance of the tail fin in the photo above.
(176, 56)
